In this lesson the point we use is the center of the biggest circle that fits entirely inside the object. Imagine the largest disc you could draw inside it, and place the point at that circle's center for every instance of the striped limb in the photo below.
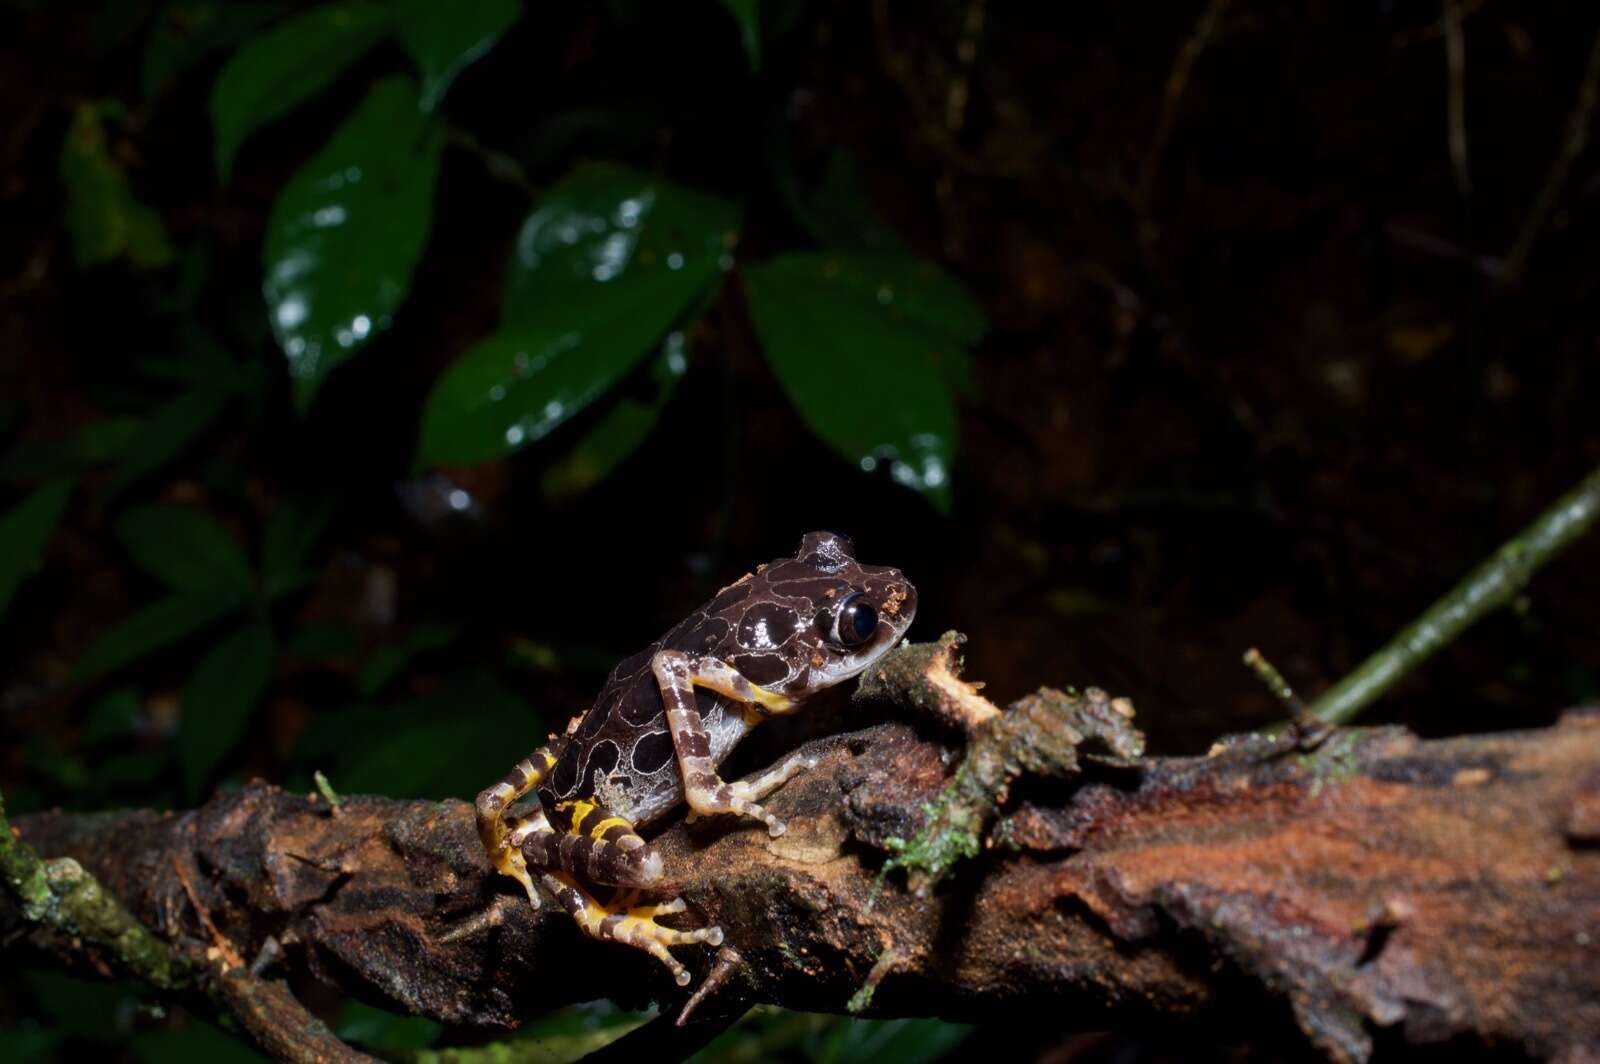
(493, 829)
(678, 674)
(589, 841)
(632, 924)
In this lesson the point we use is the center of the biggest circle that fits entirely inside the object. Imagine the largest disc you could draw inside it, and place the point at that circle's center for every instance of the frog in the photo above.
(665, 720)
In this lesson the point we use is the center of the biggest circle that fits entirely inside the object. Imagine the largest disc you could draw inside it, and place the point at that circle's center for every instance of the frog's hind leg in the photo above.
(631, 924)
(493, 829)
(594, 843)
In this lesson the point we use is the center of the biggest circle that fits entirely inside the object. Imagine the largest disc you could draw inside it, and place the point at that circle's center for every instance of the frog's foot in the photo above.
(634, 925)
(741, 798)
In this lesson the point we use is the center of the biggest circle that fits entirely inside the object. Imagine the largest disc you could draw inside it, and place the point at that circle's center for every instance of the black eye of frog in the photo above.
(852, 623)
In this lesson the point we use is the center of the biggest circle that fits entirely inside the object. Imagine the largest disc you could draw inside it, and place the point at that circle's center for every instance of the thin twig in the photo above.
(1456, 95)
(1269, 675)
(1572, 146)
(1205, 28)
(1486, 588)
(225, 953)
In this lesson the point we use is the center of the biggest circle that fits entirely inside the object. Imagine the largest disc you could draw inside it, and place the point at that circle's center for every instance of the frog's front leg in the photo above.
(679, 674)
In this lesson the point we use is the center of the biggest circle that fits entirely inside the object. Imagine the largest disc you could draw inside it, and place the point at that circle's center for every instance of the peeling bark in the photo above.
(1377, 891)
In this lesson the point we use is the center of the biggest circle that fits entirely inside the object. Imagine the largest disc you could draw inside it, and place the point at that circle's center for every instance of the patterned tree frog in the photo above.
(669, 715)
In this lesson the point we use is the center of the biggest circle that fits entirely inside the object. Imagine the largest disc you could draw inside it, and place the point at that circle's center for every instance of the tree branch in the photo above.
(1377, 890)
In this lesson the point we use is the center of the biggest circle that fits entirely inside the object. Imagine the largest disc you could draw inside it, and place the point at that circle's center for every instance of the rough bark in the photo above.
(1375, 891)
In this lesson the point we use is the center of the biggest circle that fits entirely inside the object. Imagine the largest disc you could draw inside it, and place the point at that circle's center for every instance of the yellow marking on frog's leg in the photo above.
(635, 926)
(491, 807)
(677, 674)
(610, 852)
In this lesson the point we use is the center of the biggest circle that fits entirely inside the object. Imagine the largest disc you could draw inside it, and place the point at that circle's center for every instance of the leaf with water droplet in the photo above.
(623, 426)
(276, 72)
(346, 233)
(869, 347)
(444, 39)
(607, 263)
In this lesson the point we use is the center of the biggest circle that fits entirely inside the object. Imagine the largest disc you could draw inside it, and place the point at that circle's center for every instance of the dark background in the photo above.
(1256, 374)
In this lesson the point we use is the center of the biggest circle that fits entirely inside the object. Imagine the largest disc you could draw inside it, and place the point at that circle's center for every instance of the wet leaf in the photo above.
(747, 13)
(218, 701)
(445, 39)
(161, 437)
(190, 30)
(105, 221)
(278, 71)
(868, 346)
(608, 262)
(24, 532)
(152, 628)
(347, 231)
(622, 428)
(186, 549)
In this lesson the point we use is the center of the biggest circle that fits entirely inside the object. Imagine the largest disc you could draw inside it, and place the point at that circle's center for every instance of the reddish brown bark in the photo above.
(1377, 886)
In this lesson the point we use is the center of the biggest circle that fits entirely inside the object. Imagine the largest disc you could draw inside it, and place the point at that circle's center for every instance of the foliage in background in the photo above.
(608, 272)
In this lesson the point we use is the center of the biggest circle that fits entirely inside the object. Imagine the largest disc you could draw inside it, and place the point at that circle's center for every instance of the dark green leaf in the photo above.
(116, 716)
(384, 1032)
(165, 433)
(96, 443)
(186, 549)
(23, 535)
(218, 700)
(867, 346)
(278, 71)
(441, 745)
(347, 231)
(890, 1041)
(197, 1042)
(322, 641)
(445, 39)
(387, 661)
(609, 261)
(837, 212)
(190, 30)
(622, 428)
(152, 628)
(105, 221)
(748, 14)
(292, 530)
(569, 1034)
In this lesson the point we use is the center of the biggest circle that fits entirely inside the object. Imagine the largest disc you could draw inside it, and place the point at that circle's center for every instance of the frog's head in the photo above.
(827, 614)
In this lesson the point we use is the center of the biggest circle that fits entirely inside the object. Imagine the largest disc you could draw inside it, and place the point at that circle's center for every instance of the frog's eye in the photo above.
(852, 623)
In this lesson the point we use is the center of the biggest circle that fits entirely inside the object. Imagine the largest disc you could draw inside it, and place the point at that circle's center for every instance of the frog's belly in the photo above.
(653, 796)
